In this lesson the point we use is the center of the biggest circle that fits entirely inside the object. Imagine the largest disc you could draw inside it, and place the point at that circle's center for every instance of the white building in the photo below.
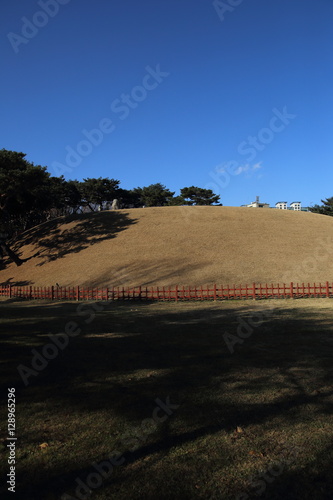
(282, 205)
(295, 205)
(257, 204)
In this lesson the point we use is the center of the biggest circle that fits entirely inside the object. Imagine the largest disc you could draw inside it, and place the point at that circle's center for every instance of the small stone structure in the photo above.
(115, 204)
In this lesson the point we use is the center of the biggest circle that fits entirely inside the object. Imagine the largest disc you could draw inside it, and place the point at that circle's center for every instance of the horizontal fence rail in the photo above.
(177, 293)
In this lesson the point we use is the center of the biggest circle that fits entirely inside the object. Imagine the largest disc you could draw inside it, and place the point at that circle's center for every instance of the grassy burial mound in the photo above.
(176, 245)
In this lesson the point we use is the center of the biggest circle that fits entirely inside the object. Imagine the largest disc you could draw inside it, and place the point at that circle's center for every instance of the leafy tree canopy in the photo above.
(25, 190)
(128, 198)
(198, 196)
(325, 209)
(97, 191)
(29, 195)
(22, 184)
(176, 201)
(155, 195)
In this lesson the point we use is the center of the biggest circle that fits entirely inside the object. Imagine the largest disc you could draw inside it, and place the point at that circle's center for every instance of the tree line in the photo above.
(325, 209)
(29, 195)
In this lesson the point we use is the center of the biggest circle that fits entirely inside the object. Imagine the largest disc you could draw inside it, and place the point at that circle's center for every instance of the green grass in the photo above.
(270, 402)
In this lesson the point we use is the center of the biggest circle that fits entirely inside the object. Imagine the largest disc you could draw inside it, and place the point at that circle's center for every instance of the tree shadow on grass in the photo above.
(130, 354)
(166, 270)
(10, 281)
(312, 481)
(73, 234)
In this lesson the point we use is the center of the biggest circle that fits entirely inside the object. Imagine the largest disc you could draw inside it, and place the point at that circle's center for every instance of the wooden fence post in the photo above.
(295, 291)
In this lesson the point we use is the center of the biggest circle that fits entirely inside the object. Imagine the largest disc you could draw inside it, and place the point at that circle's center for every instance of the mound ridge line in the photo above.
(167, 246)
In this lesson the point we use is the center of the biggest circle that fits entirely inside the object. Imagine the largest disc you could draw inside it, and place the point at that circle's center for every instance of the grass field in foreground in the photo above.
(255, 423)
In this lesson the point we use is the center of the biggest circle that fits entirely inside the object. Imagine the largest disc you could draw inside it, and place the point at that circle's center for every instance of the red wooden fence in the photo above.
(213, 292)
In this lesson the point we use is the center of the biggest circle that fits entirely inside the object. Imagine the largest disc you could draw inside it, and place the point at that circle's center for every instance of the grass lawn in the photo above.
(156, 389)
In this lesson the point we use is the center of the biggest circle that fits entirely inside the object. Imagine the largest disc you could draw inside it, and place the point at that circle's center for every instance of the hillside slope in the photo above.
(176, 245)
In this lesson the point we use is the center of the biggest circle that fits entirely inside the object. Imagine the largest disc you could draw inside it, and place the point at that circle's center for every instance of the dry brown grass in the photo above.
(176, 245)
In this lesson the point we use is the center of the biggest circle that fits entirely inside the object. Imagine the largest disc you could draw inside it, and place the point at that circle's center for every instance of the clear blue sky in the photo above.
(182, 93)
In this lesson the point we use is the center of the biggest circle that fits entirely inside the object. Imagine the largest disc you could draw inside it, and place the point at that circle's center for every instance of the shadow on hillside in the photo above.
(54, 239)
(166, 270)
(10, 281)
(181, 353)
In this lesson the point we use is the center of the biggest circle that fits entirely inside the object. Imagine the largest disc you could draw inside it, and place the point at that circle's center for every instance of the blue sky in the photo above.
(235, 96)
